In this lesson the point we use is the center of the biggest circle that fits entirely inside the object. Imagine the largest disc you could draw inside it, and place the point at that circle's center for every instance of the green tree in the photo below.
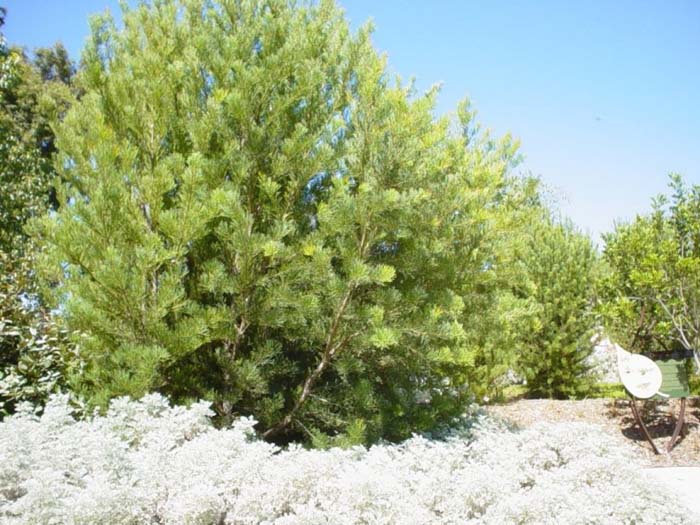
(499, 313)
(31, 341)
(652, 289)
(561, 271)
(254, 213)
(53, 63)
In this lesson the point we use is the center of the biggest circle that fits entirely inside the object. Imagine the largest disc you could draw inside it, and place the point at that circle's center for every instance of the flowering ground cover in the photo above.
(147, 462)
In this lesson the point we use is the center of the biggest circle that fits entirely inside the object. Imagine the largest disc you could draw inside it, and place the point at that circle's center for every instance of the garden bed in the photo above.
(615, 417)
(147, 463)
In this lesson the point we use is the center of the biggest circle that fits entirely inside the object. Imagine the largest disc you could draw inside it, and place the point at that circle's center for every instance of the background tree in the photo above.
(255, 214)
(652, 290)
(560, 280)
(31, 342)
(500, 313)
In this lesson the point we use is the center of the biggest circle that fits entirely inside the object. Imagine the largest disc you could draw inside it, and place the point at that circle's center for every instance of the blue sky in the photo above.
(603, 95)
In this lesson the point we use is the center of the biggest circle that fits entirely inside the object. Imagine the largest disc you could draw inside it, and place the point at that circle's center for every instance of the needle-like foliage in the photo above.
(255, 213)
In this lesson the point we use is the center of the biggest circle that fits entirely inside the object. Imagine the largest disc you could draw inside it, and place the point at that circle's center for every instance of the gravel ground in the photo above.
(615, 416)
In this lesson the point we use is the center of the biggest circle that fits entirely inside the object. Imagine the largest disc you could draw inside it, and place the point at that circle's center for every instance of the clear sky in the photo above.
(604, 95)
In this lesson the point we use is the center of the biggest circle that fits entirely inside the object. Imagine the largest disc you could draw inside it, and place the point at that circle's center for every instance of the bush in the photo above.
(147, 463)
(653, 286)
(269, 222)
(560, 269)
(34, 349)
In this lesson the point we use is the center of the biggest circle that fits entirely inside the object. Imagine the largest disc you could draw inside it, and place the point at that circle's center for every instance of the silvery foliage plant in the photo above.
(144, 462)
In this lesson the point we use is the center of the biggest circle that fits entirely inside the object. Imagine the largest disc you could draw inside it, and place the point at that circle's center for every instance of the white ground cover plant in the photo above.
(147, 462)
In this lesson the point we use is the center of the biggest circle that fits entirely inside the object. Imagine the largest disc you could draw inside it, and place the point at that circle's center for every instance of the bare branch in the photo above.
(679, 329)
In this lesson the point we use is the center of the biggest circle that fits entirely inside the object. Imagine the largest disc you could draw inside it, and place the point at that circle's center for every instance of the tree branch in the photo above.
(679, 329)
(329, 351)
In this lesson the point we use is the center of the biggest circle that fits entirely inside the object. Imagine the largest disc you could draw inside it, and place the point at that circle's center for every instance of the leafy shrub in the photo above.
(560, 283)
(653, 286)
(146, 463)
(34, 349)
(271, 223)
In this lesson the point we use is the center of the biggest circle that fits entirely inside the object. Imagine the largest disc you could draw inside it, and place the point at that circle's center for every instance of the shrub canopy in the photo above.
(560, 285)
(33, 347)
(653, 285)
(254, 213)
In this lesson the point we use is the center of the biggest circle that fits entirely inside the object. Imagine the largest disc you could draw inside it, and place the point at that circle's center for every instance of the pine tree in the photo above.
(255, 213)
(560, 269)
(500, 313)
